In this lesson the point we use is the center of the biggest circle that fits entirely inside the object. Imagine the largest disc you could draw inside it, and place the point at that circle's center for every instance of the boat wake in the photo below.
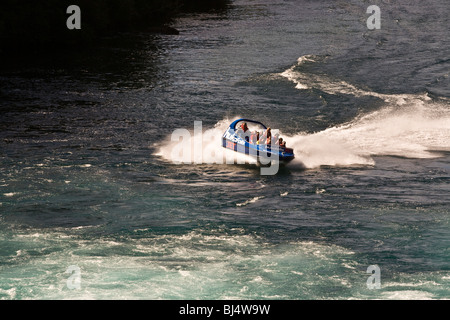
(418, 132)
(407, 125)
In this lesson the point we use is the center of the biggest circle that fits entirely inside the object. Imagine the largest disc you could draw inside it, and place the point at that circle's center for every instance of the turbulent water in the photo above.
(95, 204)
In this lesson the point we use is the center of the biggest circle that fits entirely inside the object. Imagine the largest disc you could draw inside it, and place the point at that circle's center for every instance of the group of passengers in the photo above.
(256, 137)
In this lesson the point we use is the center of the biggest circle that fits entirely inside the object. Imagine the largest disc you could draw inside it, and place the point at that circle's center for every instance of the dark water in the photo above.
(87, 177)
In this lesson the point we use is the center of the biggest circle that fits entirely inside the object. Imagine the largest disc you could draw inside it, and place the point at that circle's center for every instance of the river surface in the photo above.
(95, 205)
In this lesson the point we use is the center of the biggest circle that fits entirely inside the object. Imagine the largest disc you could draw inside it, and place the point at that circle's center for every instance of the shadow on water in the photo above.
(119, 56)
(31, 27)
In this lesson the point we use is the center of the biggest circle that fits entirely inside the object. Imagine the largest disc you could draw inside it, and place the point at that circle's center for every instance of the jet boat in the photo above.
(242, 136)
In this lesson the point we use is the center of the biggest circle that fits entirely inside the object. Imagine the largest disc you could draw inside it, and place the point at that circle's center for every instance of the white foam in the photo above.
(252, 200)
(205, 147)
(409, 125)
(10, 293)
(412, 132)
(407, 295)
(295, 76)
(10, 194)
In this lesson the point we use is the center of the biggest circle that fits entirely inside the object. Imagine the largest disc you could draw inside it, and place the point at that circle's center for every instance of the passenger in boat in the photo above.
(243, 131)
(258, 137)
(245, 127)
(281, 143)
(262, 138)
(254, 137)
(246, 134)
(268, 136)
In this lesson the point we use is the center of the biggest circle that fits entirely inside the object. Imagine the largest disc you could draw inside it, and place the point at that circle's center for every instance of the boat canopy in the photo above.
(235, 122)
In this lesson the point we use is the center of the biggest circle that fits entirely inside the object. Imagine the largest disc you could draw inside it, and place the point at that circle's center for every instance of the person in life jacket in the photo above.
(254, 137)
(262, 138)
(244, 127)
(240, 130)
(268, 136)
(243, 131)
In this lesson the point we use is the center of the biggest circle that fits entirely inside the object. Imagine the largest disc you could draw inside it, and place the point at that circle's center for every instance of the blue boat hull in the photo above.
(258, 151)
(232, 141)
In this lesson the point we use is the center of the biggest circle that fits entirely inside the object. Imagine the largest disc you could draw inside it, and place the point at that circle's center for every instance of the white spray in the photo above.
(409, 125)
